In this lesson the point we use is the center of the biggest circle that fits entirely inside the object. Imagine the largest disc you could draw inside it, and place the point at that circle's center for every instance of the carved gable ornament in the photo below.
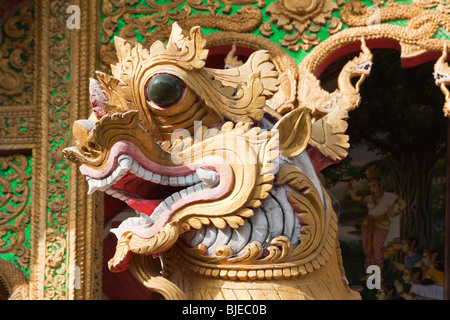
(301, 20)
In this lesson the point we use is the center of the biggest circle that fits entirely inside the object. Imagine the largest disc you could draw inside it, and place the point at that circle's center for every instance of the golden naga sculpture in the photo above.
(346, 97)
(442, 79)
(225, 191)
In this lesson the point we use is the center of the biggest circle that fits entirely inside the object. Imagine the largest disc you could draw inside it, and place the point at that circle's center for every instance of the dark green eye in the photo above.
(164, 90)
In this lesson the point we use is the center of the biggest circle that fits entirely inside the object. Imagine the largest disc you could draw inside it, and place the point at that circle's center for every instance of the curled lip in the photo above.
(155, 191)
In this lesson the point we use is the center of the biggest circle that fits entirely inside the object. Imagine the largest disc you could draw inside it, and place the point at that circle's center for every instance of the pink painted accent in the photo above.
(99, 108)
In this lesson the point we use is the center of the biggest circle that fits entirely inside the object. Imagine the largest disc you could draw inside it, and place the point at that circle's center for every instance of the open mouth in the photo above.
(153, 191)
(440, 77)
(365, 67)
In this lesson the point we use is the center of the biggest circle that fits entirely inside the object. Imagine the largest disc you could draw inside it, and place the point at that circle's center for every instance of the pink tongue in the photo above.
(144, 206)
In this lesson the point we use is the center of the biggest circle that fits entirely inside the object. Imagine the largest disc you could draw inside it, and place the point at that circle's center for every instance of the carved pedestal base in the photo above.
(321, 284)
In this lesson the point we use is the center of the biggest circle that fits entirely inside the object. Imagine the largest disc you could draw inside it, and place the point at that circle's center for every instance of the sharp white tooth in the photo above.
(183, 193)
(156, 214)
(116, 194)
(134, 167)
(111, 192)
(164, 180)
(148, 175)
(109, 179)
(118, 173)
(173, 181)
(92, 186)
(195, 178)
(169, 201)
(163, 206)
(142, 215)
(189, 179)
(209, 177)
(112, 177)
(156, 178)
(144, 220)
(104, 183)
(176, 196)
(182, 181)
(190, 190)
(151, 220)
(120, 196)
(117, 170)
(96, 183)
(198, 187)
(140, 172)
(125, 162)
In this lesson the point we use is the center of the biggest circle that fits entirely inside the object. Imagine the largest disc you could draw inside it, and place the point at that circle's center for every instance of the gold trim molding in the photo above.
(17, 114)
(14, 218)
(66, 226)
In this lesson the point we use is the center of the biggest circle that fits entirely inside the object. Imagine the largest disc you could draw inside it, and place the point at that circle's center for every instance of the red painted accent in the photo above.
(423, 58)
(111, 207)
(143, 205)
(318, 160)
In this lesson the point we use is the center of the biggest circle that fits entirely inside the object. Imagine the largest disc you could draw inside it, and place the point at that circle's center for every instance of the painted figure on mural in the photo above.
(421, 287)
(432, 267)
(412, 254)
(381, 227)
(388, 292)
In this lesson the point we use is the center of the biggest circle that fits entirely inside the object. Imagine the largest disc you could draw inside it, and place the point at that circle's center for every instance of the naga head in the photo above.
(441, 68)
(176, 141)
(362, 64)
(442, 78)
